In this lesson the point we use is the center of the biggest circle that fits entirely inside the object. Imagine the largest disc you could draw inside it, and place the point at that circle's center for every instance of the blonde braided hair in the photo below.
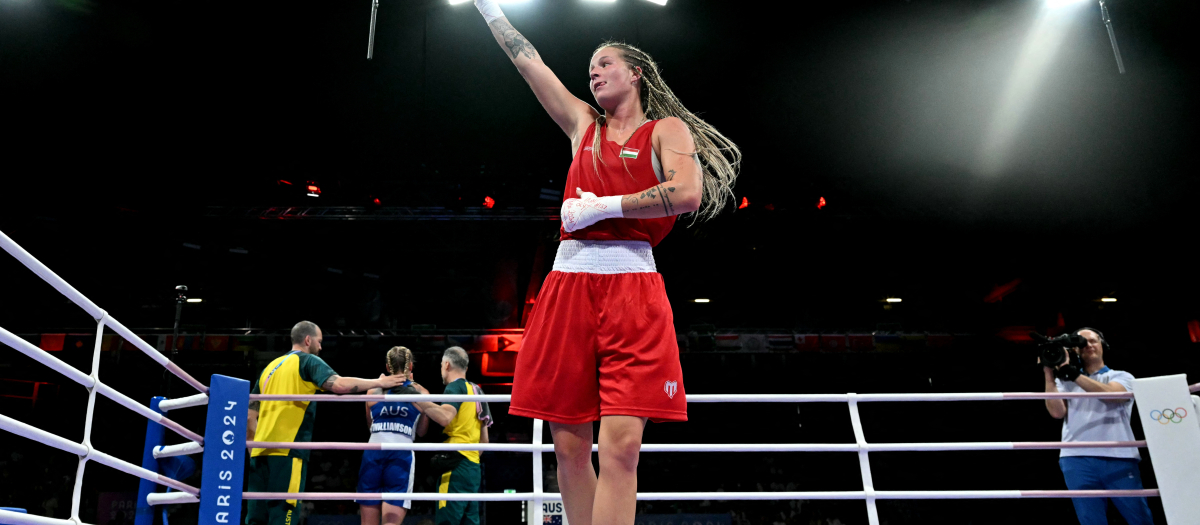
(719, 157)
(399, 360)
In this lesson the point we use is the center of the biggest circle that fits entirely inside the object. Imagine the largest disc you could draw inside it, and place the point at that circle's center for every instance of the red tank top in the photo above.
(614, 180)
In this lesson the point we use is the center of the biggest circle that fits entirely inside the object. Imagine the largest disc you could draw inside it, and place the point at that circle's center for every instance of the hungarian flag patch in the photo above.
(629, 153)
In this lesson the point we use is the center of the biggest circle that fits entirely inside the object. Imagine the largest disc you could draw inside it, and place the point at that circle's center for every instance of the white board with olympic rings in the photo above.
(1172, 429)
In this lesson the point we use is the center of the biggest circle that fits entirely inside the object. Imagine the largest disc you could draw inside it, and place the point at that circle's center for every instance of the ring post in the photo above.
(224, 451)
(535, 507)
(1172, 435)
(864, 464)
(154, 438)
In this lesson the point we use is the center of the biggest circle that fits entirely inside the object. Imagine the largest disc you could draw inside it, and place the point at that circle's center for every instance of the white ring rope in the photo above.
(167, 405)
(713, 496)
(92, 383)
(96, 312)
(699, 447)
(182, 449)
(20, 518)
(722, 398)
(87, 453)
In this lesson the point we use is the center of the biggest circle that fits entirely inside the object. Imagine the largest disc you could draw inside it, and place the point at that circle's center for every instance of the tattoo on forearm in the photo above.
(513, 39)
(658, 196)
(662, 195)
(635, 201)
(354, 389)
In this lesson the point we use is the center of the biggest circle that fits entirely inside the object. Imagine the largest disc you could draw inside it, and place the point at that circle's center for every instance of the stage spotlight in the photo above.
(1023, 87)
(195, 300)
(1108, 299)
(313, 189)
(894, 299)
(700, 300)
(659, 2)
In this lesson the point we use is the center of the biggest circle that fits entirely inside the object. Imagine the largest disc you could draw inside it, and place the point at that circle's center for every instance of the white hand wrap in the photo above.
(578, 214)
(490, 9)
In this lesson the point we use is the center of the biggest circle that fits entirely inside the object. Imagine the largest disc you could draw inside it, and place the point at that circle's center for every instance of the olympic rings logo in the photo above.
(1167, 415)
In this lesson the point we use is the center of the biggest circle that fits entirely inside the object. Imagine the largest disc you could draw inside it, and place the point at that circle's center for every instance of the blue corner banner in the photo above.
(224, 451)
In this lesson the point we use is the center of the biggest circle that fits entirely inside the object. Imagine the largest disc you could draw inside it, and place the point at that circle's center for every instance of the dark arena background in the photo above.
(925, 182)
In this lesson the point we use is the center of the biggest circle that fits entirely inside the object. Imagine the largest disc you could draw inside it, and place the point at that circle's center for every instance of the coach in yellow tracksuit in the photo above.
(284, 470)
(462, 473)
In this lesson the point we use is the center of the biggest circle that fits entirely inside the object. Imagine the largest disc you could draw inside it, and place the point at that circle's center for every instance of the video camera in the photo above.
(1054, 353)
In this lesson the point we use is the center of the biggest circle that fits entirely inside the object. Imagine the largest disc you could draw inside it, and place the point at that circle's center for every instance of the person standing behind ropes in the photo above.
(279, 469)
(1097, 420)
(389, 470)
(460, 471)
(600, 343)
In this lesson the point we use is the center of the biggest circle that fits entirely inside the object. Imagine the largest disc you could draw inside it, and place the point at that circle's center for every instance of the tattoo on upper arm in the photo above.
(328, 384)
(253, 406)
(513, 39)
(671, 175)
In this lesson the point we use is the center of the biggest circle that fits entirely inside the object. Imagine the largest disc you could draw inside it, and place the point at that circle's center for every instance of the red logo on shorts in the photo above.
(670, 387)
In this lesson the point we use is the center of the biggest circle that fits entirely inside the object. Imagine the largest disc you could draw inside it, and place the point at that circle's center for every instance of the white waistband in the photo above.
(604, 257)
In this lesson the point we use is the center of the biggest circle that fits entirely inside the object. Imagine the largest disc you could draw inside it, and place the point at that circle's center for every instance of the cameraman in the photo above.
(1096, 420)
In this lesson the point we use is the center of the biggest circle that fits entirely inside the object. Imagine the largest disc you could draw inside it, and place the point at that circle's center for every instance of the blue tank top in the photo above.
(394, 421)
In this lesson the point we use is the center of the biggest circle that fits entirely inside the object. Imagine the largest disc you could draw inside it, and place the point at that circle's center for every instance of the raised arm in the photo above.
(570, 113)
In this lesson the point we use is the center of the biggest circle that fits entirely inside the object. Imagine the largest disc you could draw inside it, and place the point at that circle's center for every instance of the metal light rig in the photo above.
(1112, 37)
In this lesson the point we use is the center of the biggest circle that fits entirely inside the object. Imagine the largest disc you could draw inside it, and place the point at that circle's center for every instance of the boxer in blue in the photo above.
(389, 470)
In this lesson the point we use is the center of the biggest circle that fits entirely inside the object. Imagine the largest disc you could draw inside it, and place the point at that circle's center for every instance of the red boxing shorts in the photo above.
(601, 340)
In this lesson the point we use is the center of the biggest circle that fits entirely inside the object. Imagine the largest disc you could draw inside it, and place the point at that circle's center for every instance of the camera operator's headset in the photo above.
(1072, 371)
(1103, 341)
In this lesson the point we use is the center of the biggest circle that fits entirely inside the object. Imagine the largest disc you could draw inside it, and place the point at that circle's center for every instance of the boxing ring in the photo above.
(224, 446)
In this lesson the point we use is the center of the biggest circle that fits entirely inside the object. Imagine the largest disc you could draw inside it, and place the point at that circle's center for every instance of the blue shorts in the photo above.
(386, 471)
